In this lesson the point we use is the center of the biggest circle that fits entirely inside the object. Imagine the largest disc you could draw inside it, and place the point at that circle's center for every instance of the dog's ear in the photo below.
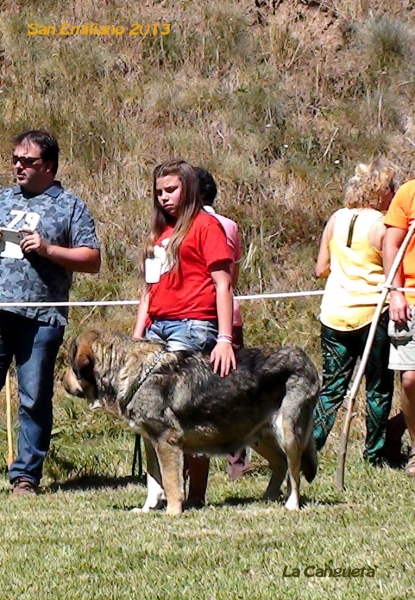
(81, 353)
(81, 356)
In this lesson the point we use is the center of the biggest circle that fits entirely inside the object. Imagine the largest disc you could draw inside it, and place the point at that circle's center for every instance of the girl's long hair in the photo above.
(189, 207)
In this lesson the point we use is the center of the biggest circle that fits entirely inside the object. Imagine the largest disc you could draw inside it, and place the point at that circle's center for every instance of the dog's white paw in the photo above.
(96, 405)
(174, 510)
(292, 503)
(158, 504)
(138, 510)
(147, 508)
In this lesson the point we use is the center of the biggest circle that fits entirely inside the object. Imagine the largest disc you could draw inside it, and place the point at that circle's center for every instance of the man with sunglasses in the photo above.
(57, 238)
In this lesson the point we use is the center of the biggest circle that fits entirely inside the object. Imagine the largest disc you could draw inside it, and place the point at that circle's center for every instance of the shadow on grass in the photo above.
(305, 501)
(94, 482)
(237, 501)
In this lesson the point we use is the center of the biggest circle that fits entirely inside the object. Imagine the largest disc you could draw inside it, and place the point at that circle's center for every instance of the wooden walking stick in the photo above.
(341, 455)
(9, 421)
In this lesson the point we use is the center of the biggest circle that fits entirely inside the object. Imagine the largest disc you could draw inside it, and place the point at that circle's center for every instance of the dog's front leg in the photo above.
(171, 465)
(155, 492)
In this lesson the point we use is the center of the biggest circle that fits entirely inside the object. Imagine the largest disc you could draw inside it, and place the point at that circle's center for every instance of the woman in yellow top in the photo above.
(350, 257)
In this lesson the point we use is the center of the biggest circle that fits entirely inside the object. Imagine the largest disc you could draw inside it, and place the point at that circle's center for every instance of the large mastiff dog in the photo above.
(179, 405)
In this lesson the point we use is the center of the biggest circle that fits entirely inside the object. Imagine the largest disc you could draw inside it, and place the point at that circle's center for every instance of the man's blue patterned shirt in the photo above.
(61, 219)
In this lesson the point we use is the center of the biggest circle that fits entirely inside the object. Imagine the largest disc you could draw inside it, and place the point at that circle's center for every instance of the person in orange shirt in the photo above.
(402, 305)
(350, 257)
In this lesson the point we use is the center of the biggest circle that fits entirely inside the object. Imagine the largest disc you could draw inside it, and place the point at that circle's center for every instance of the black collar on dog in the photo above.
(147, 372)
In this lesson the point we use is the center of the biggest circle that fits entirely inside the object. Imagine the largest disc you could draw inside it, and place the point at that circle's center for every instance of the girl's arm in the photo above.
(222, 355)
(140, 322)
(399, 309)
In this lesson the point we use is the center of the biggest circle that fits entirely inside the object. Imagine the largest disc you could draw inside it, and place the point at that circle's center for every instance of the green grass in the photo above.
(280, 107)
(75, 542)
(80, 540)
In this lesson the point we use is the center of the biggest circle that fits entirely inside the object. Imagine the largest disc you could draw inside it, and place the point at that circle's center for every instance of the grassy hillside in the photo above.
(279, 99)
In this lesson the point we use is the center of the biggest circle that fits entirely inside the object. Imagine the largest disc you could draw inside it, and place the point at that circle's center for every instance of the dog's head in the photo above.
(105, 367)
(79, 378)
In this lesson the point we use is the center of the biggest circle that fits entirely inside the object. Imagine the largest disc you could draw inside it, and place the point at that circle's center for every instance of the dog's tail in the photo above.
(309, 461)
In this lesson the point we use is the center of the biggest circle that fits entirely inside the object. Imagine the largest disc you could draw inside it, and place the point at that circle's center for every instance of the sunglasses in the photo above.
(25, 161)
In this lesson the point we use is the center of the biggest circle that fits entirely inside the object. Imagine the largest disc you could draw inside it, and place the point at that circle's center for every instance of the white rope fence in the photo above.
(277, 295)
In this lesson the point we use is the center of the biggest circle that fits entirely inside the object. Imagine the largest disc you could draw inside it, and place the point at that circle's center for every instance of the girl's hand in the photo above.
(223, 358)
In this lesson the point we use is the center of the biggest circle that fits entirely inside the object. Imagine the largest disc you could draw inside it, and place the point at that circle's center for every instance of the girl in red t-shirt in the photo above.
(188, 297)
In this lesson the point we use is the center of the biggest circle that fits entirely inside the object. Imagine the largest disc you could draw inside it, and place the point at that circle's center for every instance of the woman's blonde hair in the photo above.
(189, 207)
(369, 182)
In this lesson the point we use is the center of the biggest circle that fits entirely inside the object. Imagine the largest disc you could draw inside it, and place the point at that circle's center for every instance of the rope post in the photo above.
(341, 456)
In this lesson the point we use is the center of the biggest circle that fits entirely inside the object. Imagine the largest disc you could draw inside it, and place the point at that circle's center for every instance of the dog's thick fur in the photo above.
(182, 406)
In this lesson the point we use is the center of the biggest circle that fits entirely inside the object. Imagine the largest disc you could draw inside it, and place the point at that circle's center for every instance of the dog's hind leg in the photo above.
(293, 452)
(155, 492)
(171, 460)
(294, 463)
(268, 447)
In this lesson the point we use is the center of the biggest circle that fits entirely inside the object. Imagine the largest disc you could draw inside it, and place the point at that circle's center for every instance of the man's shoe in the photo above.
(23, 487)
